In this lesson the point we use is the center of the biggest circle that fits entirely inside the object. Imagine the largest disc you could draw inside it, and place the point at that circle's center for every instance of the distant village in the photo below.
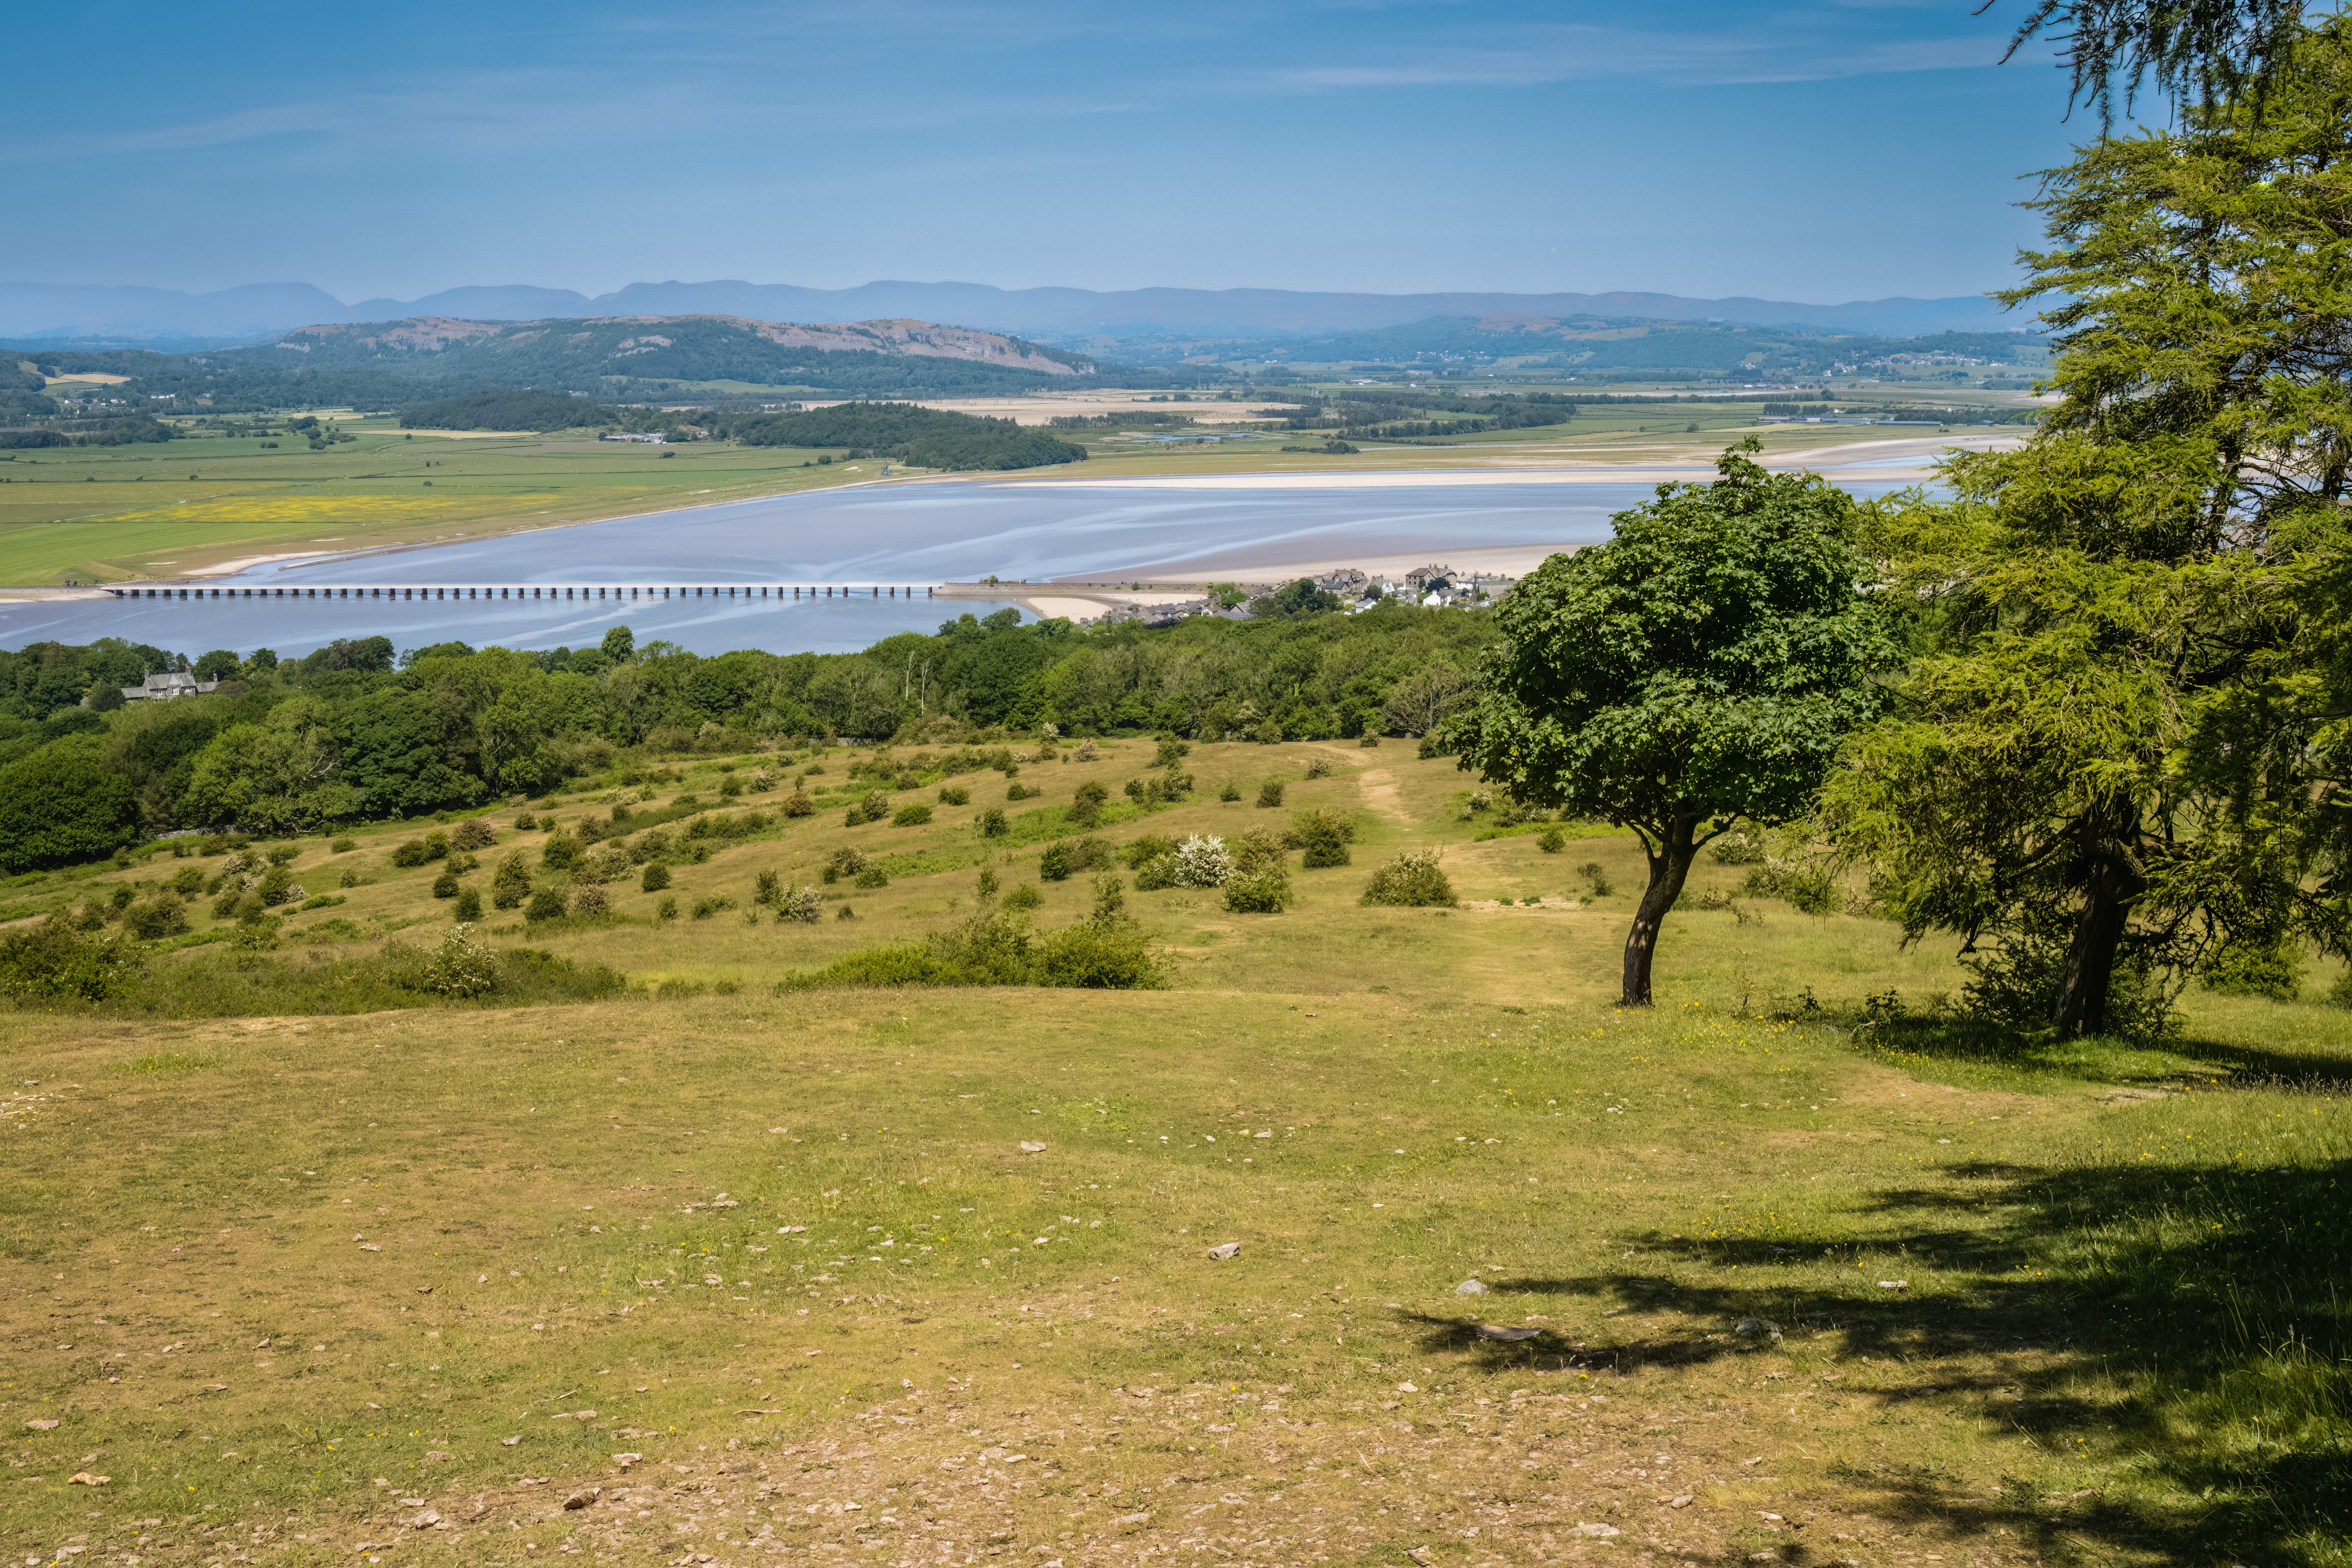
(1438, 586)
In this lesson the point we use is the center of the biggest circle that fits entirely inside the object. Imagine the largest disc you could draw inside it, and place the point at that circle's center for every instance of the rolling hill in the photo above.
(607, 353)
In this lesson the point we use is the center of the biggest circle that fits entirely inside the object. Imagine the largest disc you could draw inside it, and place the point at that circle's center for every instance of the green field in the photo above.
(409, 1281)
(106, 513)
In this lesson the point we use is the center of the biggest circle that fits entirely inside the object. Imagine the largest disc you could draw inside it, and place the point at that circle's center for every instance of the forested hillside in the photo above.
(354, 731)
(394, 364)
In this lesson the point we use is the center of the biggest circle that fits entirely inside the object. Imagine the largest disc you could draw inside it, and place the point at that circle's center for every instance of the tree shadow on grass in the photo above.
(2211, 1304)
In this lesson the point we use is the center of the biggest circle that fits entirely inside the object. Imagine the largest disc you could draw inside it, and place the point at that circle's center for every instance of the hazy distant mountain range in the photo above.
(170, 318)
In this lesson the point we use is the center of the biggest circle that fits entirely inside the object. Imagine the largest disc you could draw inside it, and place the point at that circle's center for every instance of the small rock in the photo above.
(370, 1247)
(425, 1290)
(1758, 1329)
(436, 1458)
(84, 1478)
(1602, 1530)
(1225, 1249)
(425, 1521)
(1509, 1336)
(1744, 1464)
(509, 1442)
(1682, 1502)
(42, 1425)
(1029, 1148)
(1135, 1519)
(1471, 1287)
(626, 1460)
(1895, 1284)
(584, 1497)
(1408, 1389)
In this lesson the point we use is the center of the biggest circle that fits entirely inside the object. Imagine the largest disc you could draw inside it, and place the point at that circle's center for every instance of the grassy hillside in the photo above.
(301, 1284)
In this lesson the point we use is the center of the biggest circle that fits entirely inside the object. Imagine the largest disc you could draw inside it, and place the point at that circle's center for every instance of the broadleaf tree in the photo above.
(1696, 672)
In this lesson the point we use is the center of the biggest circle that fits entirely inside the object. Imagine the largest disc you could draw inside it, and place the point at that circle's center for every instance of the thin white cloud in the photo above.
(1575, 52)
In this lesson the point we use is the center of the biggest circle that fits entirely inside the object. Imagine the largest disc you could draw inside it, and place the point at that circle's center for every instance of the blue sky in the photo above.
(1815, 152)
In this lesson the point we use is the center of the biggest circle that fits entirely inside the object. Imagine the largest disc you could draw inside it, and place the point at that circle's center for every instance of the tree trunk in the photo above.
(2109, 890)
(1670, 861)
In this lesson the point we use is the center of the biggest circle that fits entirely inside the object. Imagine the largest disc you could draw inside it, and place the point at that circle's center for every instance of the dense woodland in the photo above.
(354, 732)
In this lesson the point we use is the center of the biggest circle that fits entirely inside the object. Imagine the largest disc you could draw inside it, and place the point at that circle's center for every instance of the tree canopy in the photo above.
(2111, 759)
(1698, 669)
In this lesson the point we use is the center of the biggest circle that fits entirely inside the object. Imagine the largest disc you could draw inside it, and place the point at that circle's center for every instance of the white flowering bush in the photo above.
(461, 966)
(1202, 862)
(803, 906)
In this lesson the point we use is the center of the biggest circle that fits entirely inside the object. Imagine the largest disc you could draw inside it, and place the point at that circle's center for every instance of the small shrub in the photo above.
(412, 853)
(1110, 899)
(845, 913)
(730, 788)
(525, 821)
(1369, 740)
(803, 906)
(846, 862)
(1053, 865)
(800, 804)
(1086, 806)
(1097, 958)
(993, 822)
(1171, 752)
(1150, 847)
(1268, 733)
(1230, 791)
(511, 884)
(561, 852)
(1810, 888)
(1025, 896)
(1157, 873)
(545, 905)
(1323, 834)
(1738, 847)
(349, 879)
(2255, 968)
(872, 877)
(1594, 872)
(1265, 891)
(342, 846)
(285, 854)
(915, 814)
(475, 834)
(468, 905)
(1270, 794)
(667, 909)
(1413, 881)
(767, 889)
(161, 916)
(1551, 841)
(1018, 791)
(445, 885)
(986, 886)
(461, 966)
(1318, 767)
(588, 899)
(187, 882)
(954, 795)
(1203, 861)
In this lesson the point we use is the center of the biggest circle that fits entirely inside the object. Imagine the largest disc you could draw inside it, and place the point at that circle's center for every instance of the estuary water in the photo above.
(908, 535)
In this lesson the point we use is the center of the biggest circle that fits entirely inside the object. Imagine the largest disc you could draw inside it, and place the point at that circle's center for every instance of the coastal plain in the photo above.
(214, 503)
